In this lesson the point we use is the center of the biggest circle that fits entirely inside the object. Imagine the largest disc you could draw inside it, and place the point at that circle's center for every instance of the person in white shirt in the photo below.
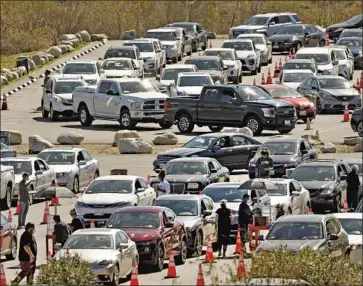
(163, 188)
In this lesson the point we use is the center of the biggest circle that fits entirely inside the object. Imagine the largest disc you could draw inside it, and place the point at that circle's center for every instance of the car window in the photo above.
(208, 204)
(307, 145)
(297, 186)
(143, 184)
(343, 169)
(113, 86)
(228, 96)
(291, 188)
(210, 166)
(302, 147)
(212, 94)
(284, 19)
(314, 83)
(118, 239)
(253, 194)
(124, 237)
(87, 157)
(331, 227)
(3, 220)
(308, 82)
(42, 165)
(165, 218)
(261, 193)
(104, 87)
(216, 165)
(296, 18)
(80, 157)
(170, 215)
(240, 141)
(36, 166)
(137, 185)
(274, 19)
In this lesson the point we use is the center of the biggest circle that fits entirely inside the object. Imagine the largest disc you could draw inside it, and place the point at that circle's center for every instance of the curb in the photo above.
(34, 78)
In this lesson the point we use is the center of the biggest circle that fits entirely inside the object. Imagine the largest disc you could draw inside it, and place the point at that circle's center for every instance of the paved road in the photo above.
(22, 116)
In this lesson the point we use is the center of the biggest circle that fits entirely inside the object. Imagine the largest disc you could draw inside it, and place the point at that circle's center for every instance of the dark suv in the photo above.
(335, 30)
(326, 181)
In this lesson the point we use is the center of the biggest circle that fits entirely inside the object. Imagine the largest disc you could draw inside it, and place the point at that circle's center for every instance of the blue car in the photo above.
(355, 46)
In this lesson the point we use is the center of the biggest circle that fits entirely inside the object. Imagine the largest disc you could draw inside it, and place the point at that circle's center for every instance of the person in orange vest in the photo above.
(224, 217)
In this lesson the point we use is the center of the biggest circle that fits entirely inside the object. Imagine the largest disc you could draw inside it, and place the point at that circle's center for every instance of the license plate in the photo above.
(99, 212)
(303, 113)
(287, 122)
(345, 103)
(276, 46)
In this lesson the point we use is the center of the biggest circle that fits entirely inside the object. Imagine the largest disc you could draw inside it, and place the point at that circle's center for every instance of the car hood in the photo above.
(248, 27)
(296, 101)
(185, 178)
(63, 168)
(212, 72)
(84, 76)
(166, 82)
(105, 198)
(268, 102)
(90, 255)
(190, 89)
(244, 54)
(278, 159)
(342, 92)
(66, 96)
(276, 200)
(293, 85)
(229, 63)
(355, 239)
(189, 221)
(169, 43)
(291, 244)
(147, 55)
(324, 67)
(119, 73)
(180, 152)
(142, 234)
(317, 184)
(148, 95)
(280, 38)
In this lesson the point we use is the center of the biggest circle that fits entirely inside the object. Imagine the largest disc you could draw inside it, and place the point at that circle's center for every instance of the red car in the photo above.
(156, 232)
(8, 238)
(304, 107)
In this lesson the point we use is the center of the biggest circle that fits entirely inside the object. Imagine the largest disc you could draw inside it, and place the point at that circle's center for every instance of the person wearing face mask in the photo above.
(264, 164)
(244, 218)
(163, 188)
(27, 255)
(224, 217)
(77, 221)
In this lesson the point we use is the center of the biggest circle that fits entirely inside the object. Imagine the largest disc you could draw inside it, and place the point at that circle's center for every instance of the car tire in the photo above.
(182, 258)
(254, 123)
(159, 266)
(125, 120)
(198, 244)
(185, 123)
(6, 202)
(285, 131)
(84, 116)
(255, 71)
(215, 128)
(75, 186)
(259, 68)
(165, 124)
(360, 129)
(14, 250)
(205, 45)
(115, 277)
(54, 115)
(180, 57)
(174, 60)
(190, 52)
(45, 114)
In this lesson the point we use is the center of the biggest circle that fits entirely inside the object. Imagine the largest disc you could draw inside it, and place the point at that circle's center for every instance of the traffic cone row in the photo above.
(238, 248)
(200, 277)
(263, 80)
(269, 78)
(346, 114)
(171, 267)
(46, 213)
(276, 71)
(345, 206)
(2, 276)
(17, 211)
(134, 276)
(209, 256)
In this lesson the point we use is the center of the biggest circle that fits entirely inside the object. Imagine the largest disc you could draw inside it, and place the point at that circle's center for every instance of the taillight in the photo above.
(166, 105)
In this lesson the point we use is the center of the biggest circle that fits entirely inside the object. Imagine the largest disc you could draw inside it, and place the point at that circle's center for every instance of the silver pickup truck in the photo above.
(7, 186)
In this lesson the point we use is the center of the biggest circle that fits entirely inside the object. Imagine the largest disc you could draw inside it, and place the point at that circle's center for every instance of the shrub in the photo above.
(66, 270)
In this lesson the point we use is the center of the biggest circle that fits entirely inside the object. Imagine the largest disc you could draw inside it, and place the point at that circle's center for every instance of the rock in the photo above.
(15, 75)
(7, 73)
(122, 134)
(65, 43)
(36, 59)
(38, 144)
(165, 139)
(351, 141)
(98, 37)
(79, 37)
(21, 70)
(69, 48)
(43, 61)
(359, 146)
(63, 48)
(32, 65)
(134, 146)
(15, 137)
(55, 51)
(245, 131)
(328, 147)
(66, 37)
(85, 36)
(50, 57)
(128, 35)
(211, 35)
(75, 42)
(70, 138)
(3, 80)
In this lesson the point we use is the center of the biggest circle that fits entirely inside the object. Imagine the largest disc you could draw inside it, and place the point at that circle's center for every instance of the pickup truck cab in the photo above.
(90, 71)
(7, 186)
(185, 40)
(190, 84)
(231, 106)
(121, 67)
(127, 100)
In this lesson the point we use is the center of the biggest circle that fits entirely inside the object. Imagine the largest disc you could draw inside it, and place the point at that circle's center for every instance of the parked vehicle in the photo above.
(109, 252)
(352, 223)
(346, 61)
(6, 151)
(8, 238)
(90, 71)
(267, 24)
(335, 30)
(300, 64)
(263, 44)
(332, 93)
(133, 101)
(74, 167)
(121, 67)
(7, 186)
(196, 213)
(159, 46)
(229, 58)
(190, 84)
(232, 106)
(356, 121)
(286, 153)
(106, 194)
(354, 44)
(351, 33)
(185, 40)
(293, 78)
(298, 232)
(156, 231)
(247, 53)
(232, 150)
(57, 96)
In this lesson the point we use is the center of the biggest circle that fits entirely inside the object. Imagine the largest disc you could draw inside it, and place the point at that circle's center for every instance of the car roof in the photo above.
(179, 66)
(275, 14)
(139, 40)
(340, 47)
(82, 62)
(283, 139)
(90, 231)
(63, 78)
(297, 71)
(319, 163)
(140, 209)
(314, 50)
(224, 184)
(163, 29)
(299, 61)
(117, 178)
(250, 35)
(192, 159)
(353, 30)
(219, 49)
(19, 159)
(280, 180)
(120, 48)
(63, 149)
(303, 218)
(176, 197)
(328, 76)
(128, 79)
(203, 58)
(239, 40)
(118, 59)
(348, 215)
(186, 23)
(193, 74)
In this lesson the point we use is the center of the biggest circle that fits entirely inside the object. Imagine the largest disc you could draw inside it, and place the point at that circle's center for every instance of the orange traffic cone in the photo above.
(92, 224)
(49, 256)
(238, 242)
(46, 213)
(357, 85)
(346, 114)
(4, 105)
(269, 78)
(171, 267)
(241, 270)
(3, 277)
(280, 65)
(276, 71)
(10, 218)
(345, 206)
(200, 277)
(17, 211)
(209, 256)
(327, 41)
(54, 202)
(254, 81)
(148, 179)
(134, 276)
(263, 79)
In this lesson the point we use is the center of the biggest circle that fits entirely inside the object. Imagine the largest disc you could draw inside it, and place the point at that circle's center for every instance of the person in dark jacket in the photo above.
(77, 221)
(264, 164)
(353, 184)
(244, 218)
(61, 230)
(224, 217)
(47, 76)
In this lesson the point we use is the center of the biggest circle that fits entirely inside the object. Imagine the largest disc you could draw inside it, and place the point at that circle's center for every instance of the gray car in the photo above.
(210, 64)
(298, 232)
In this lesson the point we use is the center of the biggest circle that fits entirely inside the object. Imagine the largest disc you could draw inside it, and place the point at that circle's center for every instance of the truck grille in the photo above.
(92, 216)
(285, 112)
(154, 104)
(165, 159)
(344, 98)
(96, 206)
(177, 188)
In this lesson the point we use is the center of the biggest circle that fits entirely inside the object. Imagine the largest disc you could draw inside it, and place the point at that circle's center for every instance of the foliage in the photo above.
(66, 270)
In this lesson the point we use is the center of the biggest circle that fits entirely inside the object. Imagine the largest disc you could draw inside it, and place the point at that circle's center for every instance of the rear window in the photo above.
(296, 18)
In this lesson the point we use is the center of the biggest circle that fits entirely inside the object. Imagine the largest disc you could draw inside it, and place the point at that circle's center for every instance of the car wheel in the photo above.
(215, 128)
(125, 120)
(45, 114)
(115, 276)
(205, 45)
(253, 123)
(185, 123)
(174, 60)
(84, 116)
(14, 250)
(360, 129)
(240, 78)
(337, 206)
(259, 68)
(182, 258)
(198, 244)
(6, 202)
(165, 124)
(75, 185)
(54, 115)
(159, 266)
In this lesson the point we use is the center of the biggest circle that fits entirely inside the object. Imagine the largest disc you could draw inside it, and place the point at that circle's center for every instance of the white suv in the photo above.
(89, 70)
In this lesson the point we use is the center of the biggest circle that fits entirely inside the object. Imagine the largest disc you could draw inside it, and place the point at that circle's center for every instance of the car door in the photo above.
(295, 199)
(303, 197)
(213, 177)
(269, 46)
(209, 105)
(127, 254)
(47, 173)
(157, 52)
(177, 229)
(201, 35)
(209, 222)
(222, 172)
(312, 36)
(240, 154)
(350, 58)
(230, 106)
(258, 54)
(90, 167)
(143, 198)
(168, 234)
(335, 70)
(187, 42)
(333, 245)
(39, 178)
(83, 176)
(273, 26)
(5, 234)
(162, 53)
(342, 170)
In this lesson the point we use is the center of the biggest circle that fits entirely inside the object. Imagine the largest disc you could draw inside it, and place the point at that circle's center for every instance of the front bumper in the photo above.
(98, 215)
(232, 74)
(322, 203)
(279, 123)
(146, 116)
(337, 105)
(147, 252)
(249, 64)
(264, 58)
(103, 273)
(149, 65)
(281, 47)
(65, 181)
(64, 108)
(306, 113)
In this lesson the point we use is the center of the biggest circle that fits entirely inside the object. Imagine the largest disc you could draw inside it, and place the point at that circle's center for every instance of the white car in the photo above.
(190, 84)
(293, 78)
(263, 44)
(352, 224)
(229, 57)
(42, 178)
(57, 96)
(7, 186)
(247, 53)
(346, 61)
(108, 193)
(159, 46)
(121, 67)
(74, 167)
(90, 71)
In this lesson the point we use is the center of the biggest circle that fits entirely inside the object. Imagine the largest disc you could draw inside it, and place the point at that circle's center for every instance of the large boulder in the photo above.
(70, 138)
(75, 42)
(15, 75)
(55, 51)
(98, 37)
(32, 65)
(21, 70)
(351, 141)
(66, 37)
(37, 59)
(7, 73)
(122, 134)
(15, 137)
(165, 139)
(38, 144)
(3, 79)
(79, 37)
(49, 57)
(359, 146)
(134, 146)
(69, 48)
(65, 43)
(85, 36)
(328, 147)
(63, 48)
(128, 35)
(43, 61)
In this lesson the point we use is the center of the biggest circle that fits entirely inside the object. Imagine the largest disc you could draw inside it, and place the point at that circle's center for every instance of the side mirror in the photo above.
(216, 148)
(48, 91)
(225, 68)
(306, 33)
(111, 92)
(207, 213)
(158, 77)
(81, 163)
(39, 172)
(295, 193)
(269, 43)
(335, 63)
(261, 238)
(333, 237)
(140, 190)
(213, 171)
(169, 224)
(123, 246)
(304, 152)
(58, 246)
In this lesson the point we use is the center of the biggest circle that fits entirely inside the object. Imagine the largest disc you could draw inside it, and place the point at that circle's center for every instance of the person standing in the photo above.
(264, 165)
(163, 188)
(224, 217)
(77, 221)
(47, 76)
(27, 255)
(244, 219)
(61, 230)
(24, 199)
(353, 184)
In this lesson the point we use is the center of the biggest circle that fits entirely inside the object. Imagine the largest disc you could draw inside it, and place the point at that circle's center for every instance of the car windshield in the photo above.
(340, 54)
(356, 43)
(117, 65)
(202, 142)
(291, 30)
(89, 241)
(279, 148)
(350, 33)
(295, 231)
(334, 83)
(58, 158)
(354, 20)
(295, 77)
(195, 81)
(238, 46)
(225, 55)
(120, 54)
(20, 167)
(256, 40)
(253, 93)
(143, 47)
(352, 226)
(299, 66)
(188, 28)
(172, 74)
(128, 87)
(231, 194)
(283, 92)
(63, 87)
(186, 168)
(134, 220)
(321, 59)
(280, 190)
(205, 64)
(162, 36)
(257, 21)
(180, 207)
(79, 68)
(314, 173)
(110, 186)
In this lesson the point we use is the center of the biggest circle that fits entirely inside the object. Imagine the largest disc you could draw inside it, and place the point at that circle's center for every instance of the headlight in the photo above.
(193, 186)
(327, 191)
(268, 112)
(91, 81)
(105, 262)
(58, 99)
(81, 205)
(136, 105)
(180, 93)
(325, 95)
(360, 54)
(289, 164)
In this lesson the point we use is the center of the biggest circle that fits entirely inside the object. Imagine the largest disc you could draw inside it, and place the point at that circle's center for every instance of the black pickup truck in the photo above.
(231, 106)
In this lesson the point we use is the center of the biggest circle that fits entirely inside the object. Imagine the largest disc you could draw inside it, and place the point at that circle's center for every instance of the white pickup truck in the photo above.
(7, 186)
(127, 100)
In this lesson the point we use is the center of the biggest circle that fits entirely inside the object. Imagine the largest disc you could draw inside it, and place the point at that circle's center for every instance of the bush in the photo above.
(66, 270)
